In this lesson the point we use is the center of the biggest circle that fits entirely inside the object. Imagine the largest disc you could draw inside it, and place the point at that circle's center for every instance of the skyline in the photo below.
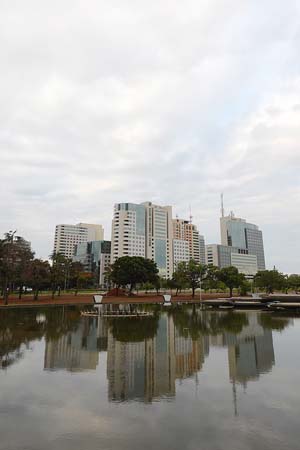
(131, 101)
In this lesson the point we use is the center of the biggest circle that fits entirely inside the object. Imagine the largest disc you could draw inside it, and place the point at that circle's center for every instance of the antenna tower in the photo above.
(222, 205)
(191, 217)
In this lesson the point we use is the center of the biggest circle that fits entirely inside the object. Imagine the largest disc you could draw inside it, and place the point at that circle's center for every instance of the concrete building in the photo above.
(246, 264)
(186, 231)
(225, 256)
(67, 236)
(95, 256)
(159, 237)
(181, 252)
(128, 231)
(202, 248)
(143, 230)
(236, 232)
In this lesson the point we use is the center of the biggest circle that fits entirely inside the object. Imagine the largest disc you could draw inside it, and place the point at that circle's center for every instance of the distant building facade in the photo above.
(95, 256)
(224, 256)
(159, 234)
(181, 252)
(128, 237)
(143, 230)
(236, 232)
(184, 230)
(68, 236)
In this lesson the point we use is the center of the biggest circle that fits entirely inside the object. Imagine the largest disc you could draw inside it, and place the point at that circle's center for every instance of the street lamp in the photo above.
(200, 285)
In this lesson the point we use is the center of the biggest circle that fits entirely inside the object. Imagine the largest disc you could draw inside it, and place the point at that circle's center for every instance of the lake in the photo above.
(180, 379)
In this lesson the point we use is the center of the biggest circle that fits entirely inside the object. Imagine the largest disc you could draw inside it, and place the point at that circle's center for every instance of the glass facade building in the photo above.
(237, 232)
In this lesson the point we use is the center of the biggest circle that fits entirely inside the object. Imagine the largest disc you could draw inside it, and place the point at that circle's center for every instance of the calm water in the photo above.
(182, 379)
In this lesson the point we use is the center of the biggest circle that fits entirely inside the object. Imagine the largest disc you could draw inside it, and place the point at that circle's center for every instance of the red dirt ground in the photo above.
(87, 299)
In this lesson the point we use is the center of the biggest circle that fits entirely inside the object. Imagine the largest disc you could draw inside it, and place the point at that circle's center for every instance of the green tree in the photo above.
(37, 275)
(211, 280)
(231, 277)
(76, 271)
(294, 281)
(179, 278)
(189, 274)
(59, 272)
(270, 280)
(15, 254)
(131, 270)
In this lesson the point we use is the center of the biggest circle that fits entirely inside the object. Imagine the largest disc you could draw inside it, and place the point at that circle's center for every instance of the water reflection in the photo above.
(77, 350)
(145, 356)
(148, 369)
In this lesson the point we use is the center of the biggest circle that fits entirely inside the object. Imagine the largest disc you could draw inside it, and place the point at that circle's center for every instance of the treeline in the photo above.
(142, 274)
(21, 271)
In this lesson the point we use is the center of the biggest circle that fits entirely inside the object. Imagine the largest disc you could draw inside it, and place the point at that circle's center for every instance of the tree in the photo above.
(190, 274)
(15, 253)
(270, 280)
(37, 275)
(131, 270)
(76, 271)
(294, 281)
(85, 280)
(24, 258)
(211, 279)
(231, 277)
(59, 271)
(179, 278)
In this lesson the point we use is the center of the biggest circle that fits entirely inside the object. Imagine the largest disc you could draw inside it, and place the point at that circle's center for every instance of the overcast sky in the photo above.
(168, 101)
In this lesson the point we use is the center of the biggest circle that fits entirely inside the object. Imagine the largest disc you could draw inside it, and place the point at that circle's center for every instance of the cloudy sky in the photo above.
(168, 101)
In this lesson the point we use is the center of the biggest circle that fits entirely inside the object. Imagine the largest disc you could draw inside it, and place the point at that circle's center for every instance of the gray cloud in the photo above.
(171, 102)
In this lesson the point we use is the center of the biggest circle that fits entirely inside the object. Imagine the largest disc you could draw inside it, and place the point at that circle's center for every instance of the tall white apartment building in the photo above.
(128, 234)
(181, 252)
(184, 230)
(159, 237)
(68, 236)
(143, 230)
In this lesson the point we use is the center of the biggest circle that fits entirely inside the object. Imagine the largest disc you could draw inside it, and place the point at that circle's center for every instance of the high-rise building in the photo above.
(181, 252)
(143, 230)
(202, 249)
(128, 231)
(159, 236)
(67, 236)
(184, 230)
(236, 232)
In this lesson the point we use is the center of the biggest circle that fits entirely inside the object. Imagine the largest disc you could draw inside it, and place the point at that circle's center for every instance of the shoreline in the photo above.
(88, 299)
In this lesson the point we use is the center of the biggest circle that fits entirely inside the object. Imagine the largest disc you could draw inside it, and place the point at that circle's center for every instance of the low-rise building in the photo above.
(95, 256)
(225, 256)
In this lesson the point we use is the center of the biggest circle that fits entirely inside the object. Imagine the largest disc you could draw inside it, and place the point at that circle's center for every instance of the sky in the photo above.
(171, 102)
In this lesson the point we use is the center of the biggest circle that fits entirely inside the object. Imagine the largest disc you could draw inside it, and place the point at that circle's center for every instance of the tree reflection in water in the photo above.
(134, 329)
(20, 327)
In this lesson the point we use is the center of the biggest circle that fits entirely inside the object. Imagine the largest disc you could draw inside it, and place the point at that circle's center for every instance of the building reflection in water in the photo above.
(148, 370)
(77, 350)
(143, 365)
(250, 352)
